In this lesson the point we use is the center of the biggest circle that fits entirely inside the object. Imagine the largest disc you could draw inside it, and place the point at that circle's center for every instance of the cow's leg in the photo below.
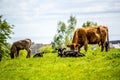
(86, 46)
(79, 47)
(17, 53)
(103, 44)
(106, 46)
(28, 53)
(102, 47)
(12, 55)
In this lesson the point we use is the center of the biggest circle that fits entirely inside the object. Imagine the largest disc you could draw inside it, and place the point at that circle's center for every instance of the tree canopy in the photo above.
(5, 31)
(89, 24)
(64, 33)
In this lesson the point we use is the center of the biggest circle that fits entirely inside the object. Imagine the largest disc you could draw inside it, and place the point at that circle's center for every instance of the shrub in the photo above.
(46, 49)
(22, 53)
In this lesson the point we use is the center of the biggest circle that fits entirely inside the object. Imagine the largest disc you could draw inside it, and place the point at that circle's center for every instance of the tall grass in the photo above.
(95, 65)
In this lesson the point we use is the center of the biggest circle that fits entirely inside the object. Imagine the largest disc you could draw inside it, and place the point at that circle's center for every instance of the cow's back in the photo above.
(93, 35)
(82, 35)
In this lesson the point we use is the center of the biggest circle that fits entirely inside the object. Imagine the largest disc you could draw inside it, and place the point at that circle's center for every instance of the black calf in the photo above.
(73, 53)
(61, 52)
(39, 54)
(70, 53)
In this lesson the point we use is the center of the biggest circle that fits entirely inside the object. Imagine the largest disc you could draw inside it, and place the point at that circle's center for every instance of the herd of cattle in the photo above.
(82, 37)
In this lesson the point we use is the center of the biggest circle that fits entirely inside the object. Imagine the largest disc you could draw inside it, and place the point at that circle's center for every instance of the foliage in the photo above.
(89, 23)
(5, 31)
(59, 37)
(5, 49)
(46, 49)
(64, 33)
(70, 29)
(22, 53)
(95, 65)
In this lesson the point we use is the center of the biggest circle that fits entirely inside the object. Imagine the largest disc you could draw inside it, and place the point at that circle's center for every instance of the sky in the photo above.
(38, 19)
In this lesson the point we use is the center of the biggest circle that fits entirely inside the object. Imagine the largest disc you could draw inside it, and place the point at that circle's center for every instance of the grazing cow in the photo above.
(0, 57)
(39, 54)
(71, 53)
(90, 35)
(20, 45)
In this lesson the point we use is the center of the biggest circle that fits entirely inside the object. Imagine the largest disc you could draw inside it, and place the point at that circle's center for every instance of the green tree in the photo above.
(70, 29)
(5, 31)
(59, 37)
(64, 33)
(89, 23)
(56, 41)
(61, 28)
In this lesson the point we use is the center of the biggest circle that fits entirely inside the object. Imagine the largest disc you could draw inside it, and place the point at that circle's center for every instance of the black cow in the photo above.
(39, 54)
(71, 53)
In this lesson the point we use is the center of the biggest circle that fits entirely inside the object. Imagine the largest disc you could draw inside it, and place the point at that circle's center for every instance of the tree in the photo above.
(70, 29)
(89, 23)
(64, 33)
(59, 37)
(5, 31)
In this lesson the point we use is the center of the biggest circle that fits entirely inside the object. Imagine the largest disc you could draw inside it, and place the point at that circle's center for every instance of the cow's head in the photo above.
(61, 51)
(74, 46)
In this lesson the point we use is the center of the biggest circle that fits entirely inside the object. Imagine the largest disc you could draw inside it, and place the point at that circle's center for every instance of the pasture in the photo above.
(95, 65)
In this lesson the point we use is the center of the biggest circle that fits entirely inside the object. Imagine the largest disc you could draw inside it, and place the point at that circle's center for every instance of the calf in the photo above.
(71, 53)
(39, 54)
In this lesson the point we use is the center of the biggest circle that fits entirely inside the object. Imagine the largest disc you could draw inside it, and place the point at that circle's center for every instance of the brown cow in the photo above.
(20, 45)
(90, 35)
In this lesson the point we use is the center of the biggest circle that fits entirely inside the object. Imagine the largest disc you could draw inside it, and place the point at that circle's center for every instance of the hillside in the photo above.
(95, 65)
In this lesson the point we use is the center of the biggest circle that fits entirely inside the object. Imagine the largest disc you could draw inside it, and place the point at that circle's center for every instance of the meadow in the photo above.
(95, 65)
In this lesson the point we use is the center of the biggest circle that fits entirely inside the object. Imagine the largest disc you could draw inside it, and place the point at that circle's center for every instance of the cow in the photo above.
(40, 54)
(71, 53)
(90, 35)
(20, 45)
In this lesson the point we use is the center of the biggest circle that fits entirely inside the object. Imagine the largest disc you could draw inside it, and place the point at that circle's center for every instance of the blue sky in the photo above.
(37, 19)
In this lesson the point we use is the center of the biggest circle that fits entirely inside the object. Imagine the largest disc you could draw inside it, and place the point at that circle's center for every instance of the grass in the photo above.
(95, 65)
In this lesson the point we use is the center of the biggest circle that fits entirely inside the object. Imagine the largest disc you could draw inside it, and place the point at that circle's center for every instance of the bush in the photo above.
(22, 53)
(5, 49)
(5, 32)
(46, 49)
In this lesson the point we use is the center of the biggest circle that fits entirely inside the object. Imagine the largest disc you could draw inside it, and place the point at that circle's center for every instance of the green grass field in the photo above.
(95, 65)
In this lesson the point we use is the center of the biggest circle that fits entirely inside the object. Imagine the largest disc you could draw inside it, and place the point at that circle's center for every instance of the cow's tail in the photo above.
(108, 39)
(107, 43)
